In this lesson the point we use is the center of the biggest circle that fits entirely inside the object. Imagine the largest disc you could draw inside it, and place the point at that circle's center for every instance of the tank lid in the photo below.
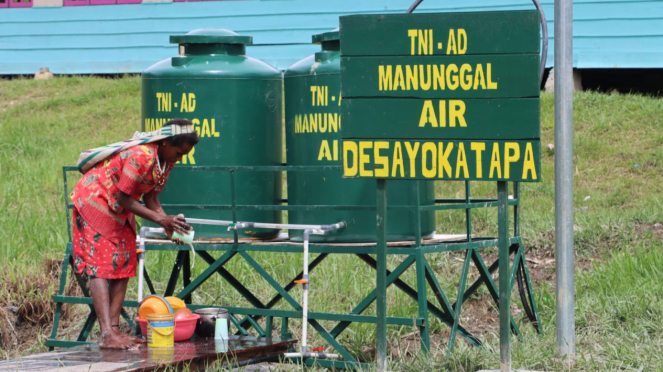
(211, 36)
(326, 36)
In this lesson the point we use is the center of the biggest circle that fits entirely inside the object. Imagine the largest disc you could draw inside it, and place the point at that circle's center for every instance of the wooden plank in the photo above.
(440, 33)
(190, 355)
(87, 367)
(480, 160)
(497, 76)
(502, 119)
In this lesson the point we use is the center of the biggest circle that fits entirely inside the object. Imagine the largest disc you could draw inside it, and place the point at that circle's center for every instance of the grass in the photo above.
(618, 158)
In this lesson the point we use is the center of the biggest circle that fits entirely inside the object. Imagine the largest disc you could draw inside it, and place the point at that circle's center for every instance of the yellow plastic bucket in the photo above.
(160, 330)
(161, 355)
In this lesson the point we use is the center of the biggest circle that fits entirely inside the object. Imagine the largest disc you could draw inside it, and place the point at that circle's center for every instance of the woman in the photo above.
(107, 199)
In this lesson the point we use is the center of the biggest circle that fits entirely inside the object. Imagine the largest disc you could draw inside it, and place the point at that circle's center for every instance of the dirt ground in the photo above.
(26, 314)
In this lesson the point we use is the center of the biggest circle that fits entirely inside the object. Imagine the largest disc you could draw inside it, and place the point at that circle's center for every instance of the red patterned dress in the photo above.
(104, 233)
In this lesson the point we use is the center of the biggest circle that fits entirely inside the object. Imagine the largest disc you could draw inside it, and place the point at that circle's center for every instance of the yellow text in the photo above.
(436, 77)
(317, 123)
(459, 160)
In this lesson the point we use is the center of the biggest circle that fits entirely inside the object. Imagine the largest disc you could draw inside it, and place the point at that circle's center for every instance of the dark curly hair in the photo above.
(178, 140)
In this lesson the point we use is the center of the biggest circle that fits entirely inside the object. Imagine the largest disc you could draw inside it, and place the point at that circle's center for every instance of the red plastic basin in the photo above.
(184, 328)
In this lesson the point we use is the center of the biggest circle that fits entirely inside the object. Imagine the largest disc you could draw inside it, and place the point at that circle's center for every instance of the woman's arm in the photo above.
(152, 202)
(170, 223)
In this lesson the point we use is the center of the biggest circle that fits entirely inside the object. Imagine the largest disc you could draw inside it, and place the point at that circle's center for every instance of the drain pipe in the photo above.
(315, 229)
(304, 282)
(201, 221)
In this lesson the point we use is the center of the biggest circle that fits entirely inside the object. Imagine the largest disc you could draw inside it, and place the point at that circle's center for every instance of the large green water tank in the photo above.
(313, 137)
(234, 102)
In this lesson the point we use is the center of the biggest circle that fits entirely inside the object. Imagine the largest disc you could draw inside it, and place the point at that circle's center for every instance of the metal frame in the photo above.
(439, 307)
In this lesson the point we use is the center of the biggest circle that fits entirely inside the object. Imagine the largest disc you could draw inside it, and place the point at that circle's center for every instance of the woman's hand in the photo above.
(174, 223)
(153, 212)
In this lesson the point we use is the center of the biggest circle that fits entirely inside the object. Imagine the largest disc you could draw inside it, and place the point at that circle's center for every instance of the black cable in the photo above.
(525, 295)
(544, 33)
(523, 287)
(544, 37)
(413, 6)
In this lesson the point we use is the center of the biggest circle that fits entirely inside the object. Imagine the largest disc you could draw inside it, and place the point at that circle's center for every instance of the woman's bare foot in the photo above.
(129, 337)
(138, 340)
(111, 340)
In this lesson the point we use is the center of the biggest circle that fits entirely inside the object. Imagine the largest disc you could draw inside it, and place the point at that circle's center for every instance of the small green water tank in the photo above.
(313, 137)
(234, 102)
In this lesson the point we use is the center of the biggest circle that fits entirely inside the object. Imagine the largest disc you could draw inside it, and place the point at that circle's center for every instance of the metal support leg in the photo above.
(504, 280)
(424, 330)
(148, 281)
(186, 275)
(268, 326)
(459, 301)
(92, 317)
(56, 322)
(285, 335)
(175, 273)
(61, 290)
(422, 299)
(530, 293)
(381, 280)
(87, 327)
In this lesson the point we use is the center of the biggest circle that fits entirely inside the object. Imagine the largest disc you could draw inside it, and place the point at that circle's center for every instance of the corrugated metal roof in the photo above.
(129, 38)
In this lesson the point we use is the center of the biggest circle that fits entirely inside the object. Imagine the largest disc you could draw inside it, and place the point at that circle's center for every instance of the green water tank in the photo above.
(234, 102)
(313, 137)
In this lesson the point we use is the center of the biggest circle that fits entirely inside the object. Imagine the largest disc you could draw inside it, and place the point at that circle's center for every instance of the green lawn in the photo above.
(618, 156)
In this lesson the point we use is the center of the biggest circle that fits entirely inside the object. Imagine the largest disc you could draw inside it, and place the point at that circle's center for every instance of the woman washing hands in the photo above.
(107, 199)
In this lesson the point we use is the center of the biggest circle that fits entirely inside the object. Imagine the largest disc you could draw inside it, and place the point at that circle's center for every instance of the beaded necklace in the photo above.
(160, 179)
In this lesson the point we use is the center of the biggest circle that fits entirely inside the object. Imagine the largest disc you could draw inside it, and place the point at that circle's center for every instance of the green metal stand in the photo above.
(505, 278)
(381, 276)
(246, 319)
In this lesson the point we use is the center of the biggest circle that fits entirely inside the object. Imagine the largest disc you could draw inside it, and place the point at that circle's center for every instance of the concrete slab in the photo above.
(194, 355)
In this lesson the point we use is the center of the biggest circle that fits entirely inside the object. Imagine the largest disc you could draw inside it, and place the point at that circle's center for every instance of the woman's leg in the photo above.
(117, 290)
(89, 252)
(107, 265)
(100, 299)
